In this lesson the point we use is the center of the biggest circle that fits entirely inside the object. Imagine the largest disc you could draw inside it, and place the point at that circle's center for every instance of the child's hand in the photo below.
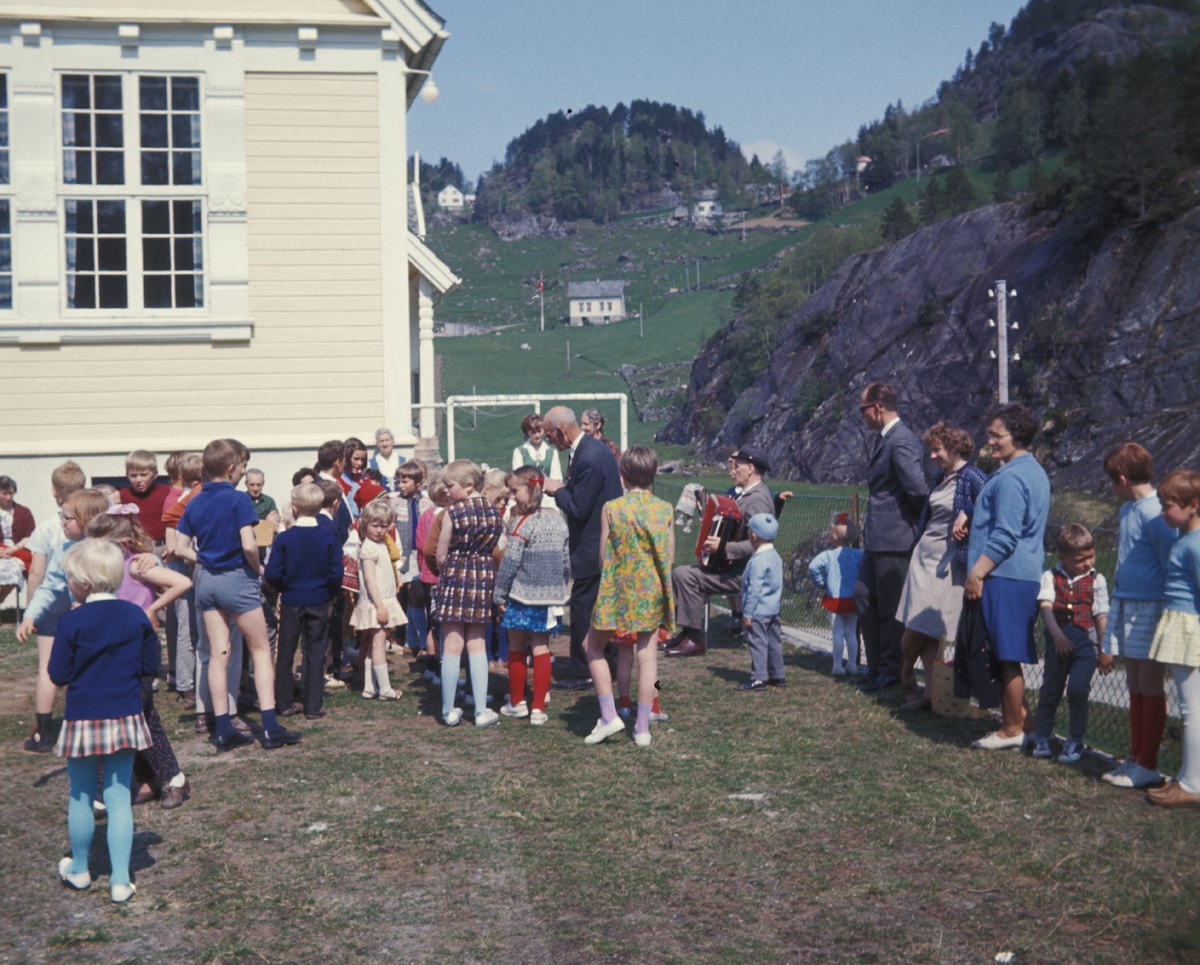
(381, 615)
(152, 616)
(1062, 646)
(25, 629)
(143, 563)
(1104, 663)
(746, 621)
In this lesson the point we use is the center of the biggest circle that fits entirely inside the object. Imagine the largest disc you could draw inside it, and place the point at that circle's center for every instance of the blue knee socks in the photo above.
(450, 667)
(81, 822)
(477, 667)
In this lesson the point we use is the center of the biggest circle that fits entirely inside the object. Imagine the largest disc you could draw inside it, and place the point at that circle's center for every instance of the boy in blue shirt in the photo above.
(762, 589)
(305, 568)
(220, 522)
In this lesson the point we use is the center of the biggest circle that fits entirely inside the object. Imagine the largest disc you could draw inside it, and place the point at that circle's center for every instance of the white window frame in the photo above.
(132, 195)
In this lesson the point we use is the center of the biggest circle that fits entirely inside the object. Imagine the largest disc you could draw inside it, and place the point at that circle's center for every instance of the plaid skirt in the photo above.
(93, 738)
(1177, 639)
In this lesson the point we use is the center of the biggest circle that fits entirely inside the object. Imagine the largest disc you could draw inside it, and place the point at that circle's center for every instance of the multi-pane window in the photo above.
(97, 271)
(170, 129)
(172, 260)
(93, 129)
(3, 129)
(5, 255)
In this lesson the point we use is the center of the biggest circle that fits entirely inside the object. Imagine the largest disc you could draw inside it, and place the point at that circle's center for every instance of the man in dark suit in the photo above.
(592, 480)
(693, 585)
(898, 492)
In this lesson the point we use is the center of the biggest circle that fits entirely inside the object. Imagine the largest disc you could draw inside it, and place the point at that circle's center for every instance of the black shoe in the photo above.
(885, 681)
(316, 714)
(231, 742)
(776, 682)
(573, 683)
(736, 626)
(37, 743)
(753, 686)
(279, 737)
(870, 684)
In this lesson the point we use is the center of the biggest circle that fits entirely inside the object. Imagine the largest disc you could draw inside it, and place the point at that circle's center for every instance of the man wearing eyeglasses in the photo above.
(897, 494)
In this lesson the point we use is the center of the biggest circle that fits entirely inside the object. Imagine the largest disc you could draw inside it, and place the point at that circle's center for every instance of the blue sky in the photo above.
(800, 76)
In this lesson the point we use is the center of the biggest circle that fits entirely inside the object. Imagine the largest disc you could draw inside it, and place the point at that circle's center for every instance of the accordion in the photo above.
(722, 518)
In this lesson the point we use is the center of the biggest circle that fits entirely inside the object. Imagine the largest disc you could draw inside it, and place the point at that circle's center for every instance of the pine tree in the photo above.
(931, 203)
(961, 195)
(897, 222)
(1002, 190)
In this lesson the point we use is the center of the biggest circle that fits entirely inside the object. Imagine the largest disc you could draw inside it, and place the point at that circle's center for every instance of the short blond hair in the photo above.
(464, 473)
(141, 459)
(96, 563)
(495, 479)
(308, 498)
(378, 510)
(191, 468)
(437, 489)
(67, 478)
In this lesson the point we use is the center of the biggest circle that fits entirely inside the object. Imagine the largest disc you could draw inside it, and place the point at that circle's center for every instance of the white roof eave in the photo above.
(430, 266)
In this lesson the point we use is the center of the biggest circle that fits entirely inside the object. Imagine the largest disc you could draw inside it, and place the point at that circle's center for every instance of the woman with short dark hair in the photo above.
(16, 527)
(1005, 557)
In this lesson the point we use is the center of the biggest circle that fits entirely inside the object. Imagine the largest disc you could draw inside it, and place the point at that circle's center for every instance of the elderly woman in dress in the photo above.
(932, 598)
(1005, 558)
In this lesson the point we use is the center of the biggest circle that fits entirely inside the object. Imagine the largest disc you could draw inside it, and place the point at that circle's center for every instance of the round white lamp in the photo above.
(429, 93)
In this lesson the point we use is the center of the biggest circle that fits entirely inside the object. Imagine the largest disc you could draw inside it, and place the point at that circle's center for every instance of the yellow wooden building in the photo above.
(204, 230)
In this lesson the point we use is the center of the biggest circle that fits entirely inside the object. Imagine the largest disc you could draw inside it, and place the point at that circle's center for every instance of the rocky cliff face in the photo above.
(1108, 337)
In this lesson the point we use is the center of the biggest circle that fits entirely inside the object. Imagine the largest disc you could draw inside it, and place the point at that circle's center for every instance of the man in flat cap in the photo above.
(692, 584)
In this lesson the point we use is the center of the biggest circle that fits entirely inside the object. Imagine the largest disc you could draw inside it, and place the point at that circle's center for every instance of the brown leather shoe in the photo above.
(689, 648)
(290, 711)
(203, 727)
(673, 642)
(1171, 795)
(173, 797)
(144, 794)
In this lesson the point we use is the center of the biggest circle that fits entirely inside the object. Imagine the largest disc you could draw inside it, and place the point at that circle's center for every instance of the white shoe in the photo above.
(485, 718)
(538, 717)
(602, 730)
(390, 694)
(122, 893)
(1117, 771)
(80, 881)
(642, 740)
(659, 717)
(452, 718)
(520, 710)
(995, 741)
(1136, 776)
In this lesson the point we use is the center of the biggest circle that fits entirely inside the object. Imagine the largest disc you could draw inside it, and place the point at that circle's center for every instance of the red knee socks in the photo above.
(1135, 725)
(541, 679)
(1154, 722)
(516, 676)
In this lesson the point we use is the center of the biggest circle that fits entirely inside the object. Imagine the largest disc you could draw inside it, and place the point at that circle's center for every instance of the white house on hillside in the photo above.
(596, 302)
(450, 198)
(206, 213)
(707, 207)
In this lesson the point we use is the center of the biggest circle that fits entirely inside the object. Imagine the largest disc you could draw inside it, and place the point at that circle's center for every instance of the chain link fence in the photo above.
(803, 533)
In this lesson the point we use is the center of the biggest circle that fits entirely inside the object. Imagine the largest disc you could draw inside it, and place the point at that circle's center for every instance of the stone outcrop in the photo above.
(1108, 337)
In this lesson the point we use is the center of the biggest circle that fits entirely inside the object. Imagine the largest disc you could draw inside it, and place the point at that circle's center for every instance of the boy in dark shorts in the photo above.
(220, 522)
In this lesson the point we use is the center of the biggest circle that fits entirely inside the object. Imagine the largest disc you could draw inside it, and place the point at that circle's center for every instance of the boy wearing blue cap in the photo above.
(762, 588)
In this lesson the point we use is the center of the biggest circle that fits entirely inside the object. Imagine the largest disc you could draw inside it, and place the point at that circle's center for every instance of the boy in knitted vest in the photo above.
(1074, 604)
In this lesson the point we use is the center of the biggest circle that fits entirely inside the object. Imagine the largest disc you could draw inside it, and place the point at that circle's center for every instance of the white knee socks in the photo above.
(1187, 684)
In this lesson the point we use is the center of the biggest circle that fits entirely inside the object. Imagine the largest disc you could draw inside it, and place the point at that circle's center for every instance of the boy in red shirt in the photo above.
(141, 469)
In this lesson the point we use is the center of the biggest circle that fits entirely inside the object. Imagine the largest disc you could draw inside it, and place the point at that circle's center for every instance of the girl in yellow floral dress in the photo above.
(637, 540)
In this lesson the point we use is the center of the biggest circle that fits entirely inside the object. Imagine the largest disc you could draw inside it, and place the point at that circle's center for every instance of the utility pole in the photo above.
(474, 413)
(697, 274)
(1000, 323)
(687, 277)
(641, 319)
(568, 356)
(542, 298)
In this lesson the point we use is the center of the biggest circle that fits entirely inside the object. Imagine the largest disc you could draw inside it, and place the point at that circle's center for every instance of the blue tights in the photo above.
(81, 822)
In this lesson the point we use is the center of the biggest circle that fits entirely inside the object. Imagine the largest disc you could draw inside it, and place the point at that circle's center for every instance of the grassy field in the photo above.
(802, 825)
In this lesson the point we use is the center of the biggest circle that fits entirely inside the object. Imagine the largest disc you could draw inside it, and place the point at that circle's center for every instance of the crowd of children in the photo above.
(440, 563)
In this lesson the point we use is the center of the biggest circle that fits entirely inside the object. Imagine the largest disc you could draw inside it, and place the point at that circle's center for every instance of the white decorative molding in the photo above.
(214, 90)
(307, 37)
(226, 191)
(389, 40)
(166, 332)
(223, 36)
(31, 32)
(33, 88)
(36, 189)
(129, 34)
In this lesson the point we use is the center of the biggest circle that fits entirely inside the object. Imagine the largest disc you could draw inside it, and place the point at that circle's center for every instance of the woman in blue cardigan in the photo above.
(101, 651)
(1005, 558)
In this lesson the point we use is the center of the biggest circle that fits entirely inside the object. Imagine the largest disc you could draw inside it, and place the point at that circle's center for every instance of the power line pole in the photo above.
(1000, 323)
(542, 298)
(641, 319)
(697, 274)
(568, 356)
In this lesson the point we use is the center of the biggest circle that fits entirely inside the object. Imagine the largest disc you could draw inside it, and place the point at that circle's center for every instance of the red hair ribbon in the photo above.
(841, 519)
(538, 480)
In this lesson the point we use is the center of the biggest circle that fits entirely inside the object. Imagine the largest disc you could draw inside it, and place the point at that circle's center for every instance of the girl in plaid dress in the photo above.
(462, 602)
(101, 652)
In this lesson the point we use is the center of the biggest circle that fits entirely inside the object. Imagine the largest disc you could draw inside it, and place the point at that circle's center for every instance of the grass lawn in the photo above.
(868, 836)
